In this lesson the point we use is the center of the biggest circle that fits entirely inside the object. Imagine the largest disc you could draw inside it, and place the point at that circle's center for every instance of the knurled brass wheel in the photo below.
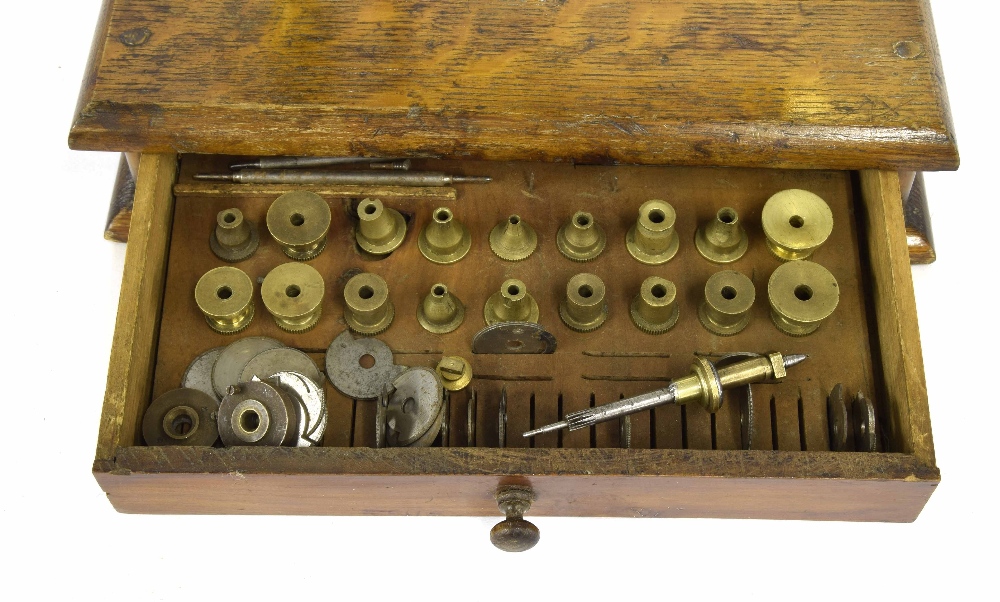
(299, 221)
(293, 294)
(225, 297)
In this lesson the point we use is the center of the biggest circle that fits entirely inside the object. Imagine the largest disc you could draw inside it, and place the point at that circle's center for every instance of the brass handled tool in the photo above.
(293, 162)
(704, 385)
(343, 178)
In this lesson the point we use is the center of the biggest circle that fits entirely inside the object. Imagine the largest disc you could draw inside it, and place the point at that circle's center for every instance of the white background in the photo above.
(60, 290)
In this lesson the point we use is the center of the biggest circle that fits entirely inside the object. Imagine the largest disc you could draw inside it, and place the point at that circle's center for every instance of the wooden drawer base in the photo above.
(683, 469)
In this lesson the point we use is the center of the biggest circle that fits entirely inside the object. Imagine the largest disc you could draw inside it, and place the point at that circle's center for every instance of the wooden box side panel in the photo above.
(905, 390)
(133, 349)
(627, 483)
(762, 83)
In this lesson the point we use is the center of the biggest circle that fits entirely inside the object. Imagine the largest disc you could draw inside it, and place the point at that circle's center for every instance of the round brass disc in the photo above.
(455, 372)
(225, 296)
(802, 295)
(181, 417)
(584, 308)
(372, 210)
(299, 222)
(655, 309)
(368, 309)
(651, 239)
(729, 296)
(513, 239)
(796, 223)
(432, 238)
(512, 303)
(293, 294)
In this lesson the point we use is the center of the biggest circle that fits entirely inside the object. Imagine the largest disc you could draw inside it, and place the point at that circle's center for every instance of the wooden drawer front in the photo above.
(870, 344)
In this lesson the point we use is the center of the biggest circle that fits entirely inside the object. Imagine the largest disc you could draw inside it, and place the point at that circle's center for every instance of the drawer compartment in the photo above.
(682, 461)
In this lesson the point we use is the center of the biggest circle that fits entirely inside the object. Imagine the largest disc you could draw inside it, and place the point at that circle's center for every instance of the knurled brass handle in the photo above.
(514, 534)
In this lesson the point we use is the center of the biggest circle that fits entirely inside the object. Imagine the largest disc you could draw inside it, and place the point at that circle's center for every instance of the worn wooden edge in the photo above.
(462, 481)
(125, 127)
(95, 58)
(133, 349)
(896, 316)
(916, 216)
(120, 211)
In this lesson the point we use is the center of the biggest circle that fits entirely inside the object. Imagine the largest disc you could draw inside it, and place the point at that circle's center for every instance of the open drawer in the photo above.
(680, 462)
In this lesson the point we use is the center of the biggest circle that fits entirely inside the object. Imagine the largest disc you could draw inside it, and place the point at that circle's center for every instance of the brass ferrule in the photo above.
(511, 303)
(584, 308)
(367, 307)
(655, 309)
(293, 294)
(299, 221)
(455, 372)
(581, 238)
(234, 238)
(723, 239)
(380, 229)
(513, 239)
(444, 240)
(728, 298)
(652, 239)
(796, 223)
(225, 297)
(440, 312)
(803, 295)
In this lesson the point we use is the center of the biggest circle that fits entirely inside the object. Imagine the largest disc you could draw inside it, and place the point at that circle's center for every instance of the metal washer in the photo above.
(312, 413)
(198, 375)
(266, 364)
(196, 409)
(346, 372)
(229, 366)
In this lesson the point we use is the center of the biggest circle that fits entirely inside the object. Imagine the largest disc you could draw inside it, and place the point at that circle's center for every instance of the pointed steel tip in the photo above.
(555, 426)
(237, 166)
(795, 358)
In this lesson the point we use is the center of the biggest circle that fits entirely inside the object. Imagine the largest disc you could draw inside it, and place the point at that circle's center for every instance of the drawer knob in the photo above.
(514, 534)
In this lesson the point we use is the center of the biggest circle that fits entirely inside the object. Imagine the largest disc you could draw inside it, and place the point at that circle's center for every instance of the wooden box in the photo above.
(577, 105)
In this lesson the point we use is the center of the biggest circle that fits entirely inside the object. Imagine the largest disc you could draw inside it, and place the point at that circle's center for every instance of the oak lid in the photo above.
(769, 83)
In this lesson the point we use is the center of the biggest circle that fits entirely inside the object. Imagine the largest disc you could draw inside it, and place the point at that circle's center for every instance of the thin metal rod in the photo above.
(293, 162)
(357, 178)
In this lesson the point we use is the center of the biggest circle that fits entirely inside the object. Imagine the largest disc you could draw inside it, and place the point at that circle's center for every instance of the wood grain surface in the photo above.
(591, 482)
(137, 326)
(847, 84)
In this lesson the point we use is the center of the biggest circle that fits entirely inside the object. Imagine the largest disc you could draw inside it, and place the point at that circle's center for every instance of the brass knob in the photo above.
(722, 240)
(455, 372)
(802, 294)
(581, 238)
(234, 238)
(584, 309)
(381, 229)
(728, 298)
(293, 294)
(514, 534)
(655, 309)
(796, 223)
(367, 308)
(299, 221)
(444, 240)
(440, 312)
(513, 239)
(511, 303)
(652, 239)
(225, 297)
